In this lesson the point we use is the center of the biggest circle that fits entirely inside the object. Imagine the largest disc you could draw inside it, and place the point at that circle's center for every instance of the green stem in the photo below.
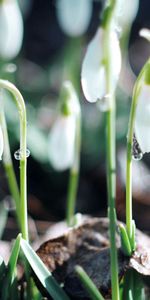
(8, 165)
(129, 153)
(23, 186)
(111, 183)
(74, 175)
(111, 156)
(129, 189)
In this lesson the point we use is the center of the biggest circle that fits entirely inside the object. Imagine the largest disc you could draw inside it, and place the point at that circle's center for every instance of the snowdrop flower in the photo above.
(74, 16)
(126, 12)
(1, 143)
(11, 29)
(142, 117)
(62, 135)
(93, 76)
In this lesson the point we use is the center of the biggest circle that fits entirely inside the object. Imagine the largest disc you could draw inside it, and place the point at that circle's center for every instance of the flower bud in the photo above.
(11, 29)
(61, 142)
(126, 12)
(142, 118)
(93, 77)
(62, 135)
(74, 16)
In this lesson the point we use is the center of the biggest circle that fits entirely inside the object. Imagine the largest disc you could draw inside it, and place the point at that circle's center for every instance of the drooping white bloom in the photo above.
(74, 16)
(1, 143)
(142, 118)
(61, 142)
(93, 77)
(61, 145)
(11, 29)
(126, 12)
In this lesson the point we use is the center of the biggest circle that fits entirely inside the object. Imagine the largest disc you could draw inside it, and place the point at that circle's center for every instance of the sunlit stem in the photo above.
(74, 175)
(23, 184)
(8, 165)
(111, 156)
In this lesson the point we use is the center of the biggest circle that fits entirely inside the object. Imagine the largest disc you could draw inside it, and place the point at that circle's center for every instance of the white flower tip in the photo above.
(93, 77)
(11, 29)
(142, 118)
(61, 143)
(74, 16)
(145, 33)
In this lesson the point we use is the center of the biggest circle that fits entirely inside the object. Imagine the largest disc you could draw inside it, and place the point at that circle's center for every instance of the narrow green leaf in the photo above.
(138, 292)
(14, 289)
(133, 286)
(88, 284)
(11, 268)
(2, 266)
(2, 274)
(45, 277)
(14, 256)
(133, 241)
(3, 217)
(128, 286)
(125, 243)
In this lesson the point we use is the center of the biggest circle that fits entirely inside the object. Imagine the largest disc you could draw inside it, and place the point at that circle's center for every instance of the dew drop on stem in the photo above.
(18, 153)
(136, 150)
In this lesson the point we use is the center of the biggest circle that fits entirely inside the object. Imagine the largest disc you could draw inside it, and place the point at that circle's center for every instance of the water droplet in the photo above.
(136, 150)
(103, 104)
(18, 153)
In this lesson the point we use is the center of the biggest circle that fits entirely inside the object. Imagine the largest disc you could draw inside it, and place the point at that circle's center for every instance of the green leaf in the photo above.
(14, 256)
(88, 284)
(133, 241)
(11, 268)
(14, 289)
(3, 217)
(45, 277)
(2, 265)
(133, 286)
(2, 273)
(125, 243)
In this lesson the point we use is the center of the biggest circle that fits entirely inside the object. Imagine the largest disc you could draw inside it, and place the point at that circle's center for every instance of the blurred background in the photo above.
(49, 54)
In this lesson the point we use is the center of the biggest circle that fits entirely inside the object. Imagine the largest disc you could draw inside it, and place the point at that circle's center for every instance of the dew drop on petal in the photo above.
(137, 154)
(17, 154)
(103, 104)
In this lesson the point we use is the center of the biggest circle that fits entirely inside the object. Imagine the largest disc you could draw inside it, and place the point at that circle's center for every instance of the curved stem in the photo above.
(74, 175)
(8, 165)
(129, 154)
(23, 186)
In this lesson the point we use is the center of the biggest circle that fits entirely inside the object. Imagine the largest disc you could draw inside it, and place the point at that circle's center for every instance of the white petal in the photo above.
(11, 29)
(126, 12)
(74, 15)
(142, 119)
(1, 143)
(93, 77)
(61, 143)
